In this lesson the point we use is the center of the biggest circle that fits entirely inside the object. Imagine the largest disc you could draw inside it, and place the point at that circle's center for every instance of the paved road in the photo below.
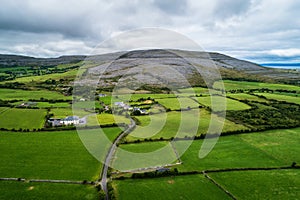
(110, 154)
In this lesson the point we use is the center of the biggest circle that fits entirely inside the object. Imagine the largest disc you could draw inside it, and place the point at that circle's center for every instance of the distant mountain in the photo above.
(146, 64)
(16, 60)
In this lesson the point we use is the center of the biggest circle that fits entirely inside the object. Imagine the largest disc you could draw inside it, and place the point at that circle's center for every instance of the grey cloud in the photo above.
(240, 27)
(229, 8)
(178, 7)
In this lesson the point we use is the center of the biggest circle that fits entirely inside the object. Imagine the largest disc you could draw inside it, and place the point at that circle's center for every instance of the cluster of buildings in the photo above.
(127, 107)
(70, 120)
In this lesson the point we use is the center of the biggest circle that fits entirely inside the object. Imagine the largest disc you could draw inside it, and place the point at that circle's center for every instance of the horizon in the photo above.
(270, 64)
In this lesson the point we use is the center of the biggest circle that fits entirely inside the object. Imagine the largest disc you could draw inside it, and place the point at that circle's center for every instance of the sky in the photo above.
(256, 30)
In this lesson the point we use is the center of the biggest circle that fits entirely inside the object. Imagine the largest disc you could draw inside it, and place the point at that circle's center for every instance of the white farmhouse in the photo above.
(70, 120)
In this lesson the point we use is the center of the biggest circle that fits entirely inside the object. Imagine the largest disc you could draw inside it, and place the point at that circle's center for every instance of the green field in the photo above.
(261, 149)
(135, 97)
(3, 109)
(245, 96)
(51, 155)
(194, 91)
(167, 125)
(22, 118)
(280, 144)
(105, 118)
(139, 155)
(12, 94)
(106, 100)
(64, 112)
(53, 105)
(71, 74)
(275, 184)
(220, 101)
(280, 97)
(87, 105)
(178, 103)
(244, 85)
(178, 187)
(10, 190)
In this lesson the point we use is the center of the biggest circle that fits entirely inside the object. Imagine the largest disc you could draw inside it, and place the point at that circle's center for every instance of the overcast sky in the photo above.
(258, 30)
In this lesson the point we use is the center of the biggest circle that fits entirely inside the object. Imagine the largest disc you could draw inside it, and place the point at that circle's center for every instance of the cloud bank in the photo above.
(258, 30)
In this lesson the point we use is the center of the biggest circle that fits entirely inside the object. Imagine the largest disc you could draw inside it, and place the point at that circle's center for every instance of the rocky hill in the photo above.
(159, 66)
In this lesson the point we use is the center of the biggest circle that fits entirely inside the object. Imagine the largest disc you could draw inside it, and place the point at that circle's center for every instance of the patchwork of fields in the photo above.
(29, 151)
(166, 125)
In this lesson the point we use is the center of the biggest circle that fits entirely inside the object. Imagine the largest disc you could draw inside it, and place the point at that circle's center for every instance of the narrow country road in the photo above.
(110, 154)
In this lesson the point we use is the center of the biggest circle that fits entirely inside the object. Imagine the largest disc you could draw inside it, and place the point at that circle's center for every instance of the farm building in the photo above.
(123, 105)
(102, 95)
(28, 104)
(70, 120)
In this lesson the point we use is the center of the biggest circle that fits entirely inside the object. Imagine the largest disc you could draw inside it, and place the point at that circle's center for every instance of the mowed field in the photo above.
(261, 149)
(178, 103)
(55, 76)
(105, 118)
(244, 85)
(274, 184)
(87, 105)
(13, 118)
(64, 112)
(177, 187)
(47, 191)
(14, 94)
(144, 155)
(281, 97)
(166, 125)
(53, 155)
(222, 103)
(193, 91)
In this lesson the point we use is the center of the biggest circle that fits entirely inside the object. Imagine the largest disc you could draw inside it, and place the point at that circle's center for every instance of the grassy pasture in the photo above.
(275, 184)
(140, 155)
(53, 105)
(178, 187)
(280, 144)
(3, 109)
(105, 118)
(280, 97)
(166, 125)
(135, 97)
(106, 100)
(178, 103)
(235, 85)
(71, 74)
(22, 118)
(12, 94)
(27, 191)
(194, 90)
(52, 155)
(64, 112)
(87, 104)
(261, 149)
(230, 104)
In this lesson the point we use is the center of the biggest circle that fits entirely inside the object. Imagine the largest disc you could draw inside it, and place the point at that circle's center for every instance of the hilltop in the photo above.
(149, 63)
